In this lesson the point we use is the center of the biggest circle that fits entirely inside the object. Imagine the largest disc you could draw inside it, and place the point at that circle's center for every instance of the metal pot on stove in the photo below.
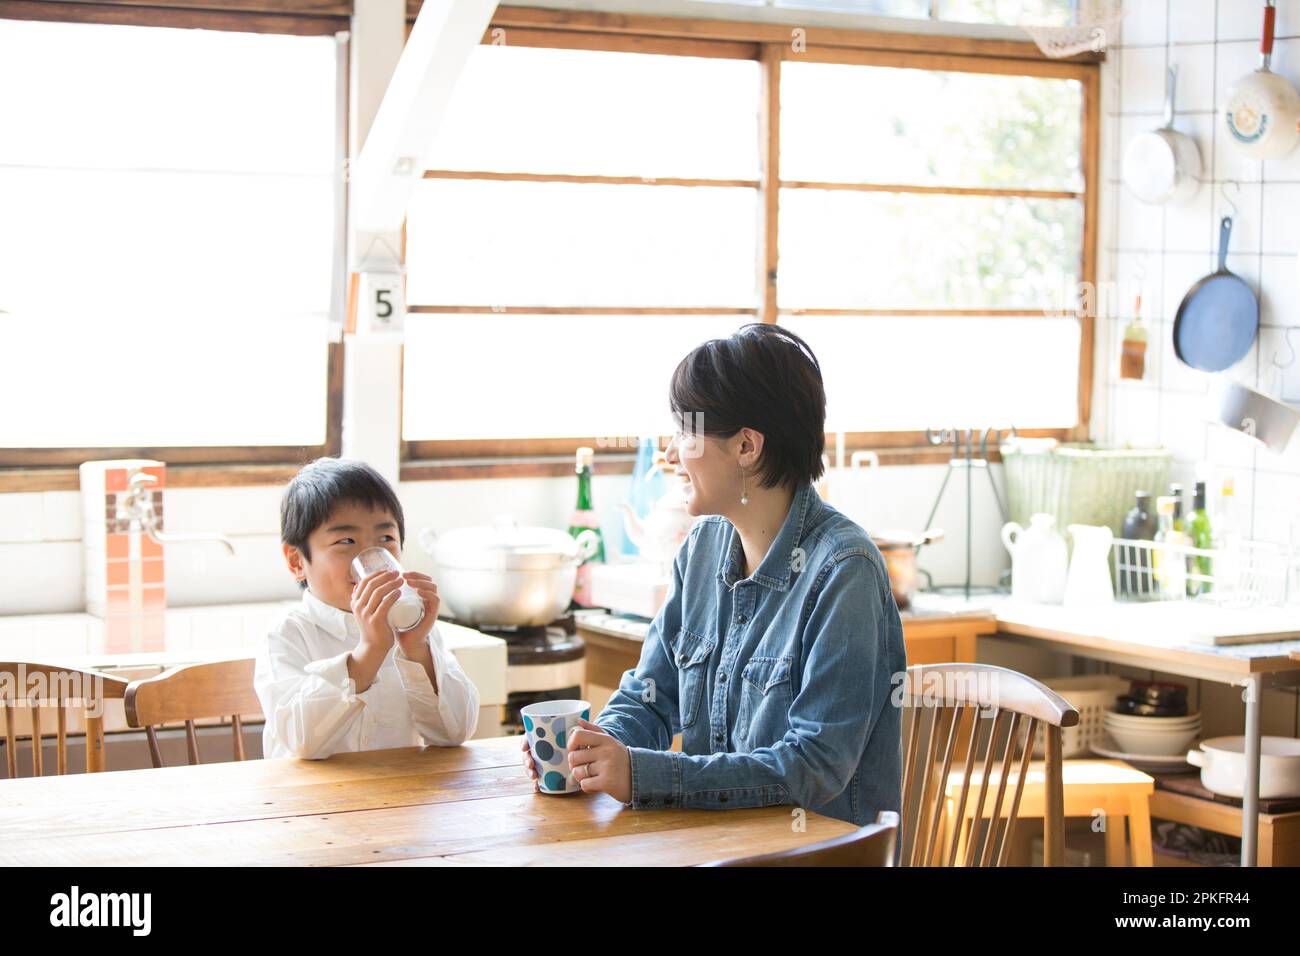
(507, 576)
(899, 549)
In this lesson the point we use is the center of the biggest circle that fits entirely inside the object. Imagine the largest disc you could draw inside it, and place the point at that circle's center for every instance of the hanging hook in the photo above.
(1290, 348)
(1227, 199)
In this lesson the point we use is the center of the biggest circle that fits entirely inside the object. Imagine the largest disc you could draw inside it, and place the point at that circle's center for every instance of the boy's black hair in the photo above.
(323, 484)
(766, 378)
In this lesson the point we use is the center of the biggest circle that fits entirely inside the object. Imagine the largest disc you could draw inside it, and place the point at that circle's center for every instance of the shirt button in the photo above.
(718, 737)
(722, 678)
(741, 619)
(682, 660)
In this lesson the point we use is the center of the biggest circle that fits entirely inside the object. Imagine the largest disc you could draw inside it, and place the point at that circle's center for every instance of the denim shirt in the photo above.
(779, 683)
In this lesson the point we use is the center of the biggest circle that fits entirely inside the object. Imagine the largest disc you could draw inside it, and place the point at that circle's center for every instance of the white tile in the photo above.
(1136, 414)
(1138, 273)
(1141, 226)
(230, 511)
(20, 516)
(1282, 223)
(1280, 291)
(1240, 20)
(1142, 88)
(1191, 21)
(1183, 426)
(1189, 226)
(1144, 22)
(41, 577)
(1277, 503)
(61, 516)
(1195, 64)
(1246, 232)
(1288, 18)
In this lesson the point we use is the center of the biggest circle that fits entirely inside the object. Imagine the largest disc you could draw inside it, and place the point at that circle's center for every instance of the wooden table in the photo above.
(421, 806)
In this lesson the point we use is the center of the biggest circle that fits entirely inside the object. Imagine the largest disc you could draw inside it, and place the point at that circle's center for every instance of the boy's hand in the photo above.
(428, 591)
(371, 599)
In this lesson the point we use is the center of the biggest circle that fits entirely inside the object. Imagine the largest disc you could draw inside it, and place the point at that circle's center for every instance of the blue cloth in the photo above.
(780, 683)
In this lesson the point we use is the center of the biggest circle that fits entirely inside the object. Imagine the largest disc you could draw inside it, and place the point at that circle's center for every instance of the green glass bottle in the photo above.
(1201, 535)
(584, 519)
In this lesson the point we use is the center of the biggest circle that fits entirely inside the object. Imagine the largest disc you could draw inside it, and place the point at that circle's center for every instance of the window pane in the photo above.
(843, 249)
(189, 378)
(521, 243)
(909, 373)
(1053, 13)
(860, 124)
(520, 109)
(609, 378)
(167, 232)
(86, 95)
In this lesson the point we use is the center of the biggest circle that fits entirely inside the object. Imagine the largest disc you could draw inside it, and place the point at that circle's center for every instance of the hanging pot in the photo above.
(1263, 108)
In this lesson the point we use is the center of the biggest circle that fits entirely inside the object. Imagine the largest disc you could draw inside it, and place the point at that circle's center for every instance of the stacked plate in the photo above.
(1153, 736)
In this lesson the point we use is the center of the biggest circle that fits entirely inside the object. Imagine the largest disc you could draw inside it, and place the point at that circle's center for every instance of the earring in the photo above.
(744, 497)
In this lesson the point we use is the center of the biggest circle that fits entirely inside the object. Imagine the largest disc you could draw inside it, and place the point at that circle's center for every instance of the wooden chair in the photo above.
(190, 693)
(960, 700)
(871, 845)
(40, 686)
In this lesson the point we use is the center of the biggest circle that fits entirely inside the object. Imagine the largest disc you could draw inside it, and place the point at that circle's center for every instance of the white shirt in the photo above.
(311, 705)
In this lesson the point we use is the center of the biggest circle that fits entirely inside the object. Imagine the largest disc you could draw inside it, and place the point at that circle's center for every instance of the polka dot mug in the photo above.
(547, 725)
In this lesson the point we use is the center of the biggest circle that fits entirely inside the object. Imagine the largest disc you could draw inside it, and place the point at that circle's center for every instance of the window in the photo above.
(593, 214)
(167, 241)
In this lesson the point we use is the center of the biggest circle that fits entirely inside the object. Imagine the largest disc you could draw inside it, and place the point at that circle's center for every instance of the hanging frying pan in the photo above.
(1218, 318)
(1263, 108)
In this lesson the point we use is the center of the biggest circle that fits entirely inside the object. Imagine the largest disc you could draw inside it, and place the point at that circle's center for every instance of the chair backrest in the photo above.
(193, 692)
(959, 700)
(871, 845)
(35, 687)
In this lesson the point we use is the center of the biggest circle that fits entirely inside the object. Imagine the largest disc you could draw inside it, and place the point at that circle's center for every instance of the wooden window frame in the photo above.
(770, 45)
(55, 469)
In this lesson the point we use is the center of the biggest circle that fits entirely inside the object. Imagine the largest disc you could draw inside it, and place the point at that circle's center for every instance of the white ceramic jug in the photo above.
(1089, 579)
(1039, 557)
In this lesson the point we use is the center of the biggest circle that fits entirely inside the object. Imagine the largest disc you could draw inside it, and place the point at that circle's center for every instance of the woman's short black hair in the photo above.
(766, 378)
(323, 484)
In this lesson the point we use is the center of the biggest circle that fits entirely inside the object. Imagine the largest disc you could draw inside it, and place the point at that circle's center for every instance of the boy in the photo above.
(333, 675)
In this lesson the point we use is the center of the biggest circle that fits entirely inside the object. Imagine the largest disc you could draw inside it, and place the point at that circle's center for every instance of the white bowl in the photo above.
(1132, 720)
(1163, 744)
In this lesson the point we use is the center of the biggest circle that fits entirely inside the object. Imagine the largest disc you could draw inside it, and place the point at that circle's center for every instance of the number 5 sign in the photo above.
(376, 306)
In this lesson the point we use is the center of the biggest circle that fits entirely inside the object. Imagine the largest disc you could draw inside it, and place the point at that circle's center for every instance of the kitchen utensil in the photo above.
(1218, 317)
(899, 549)
(507, 576)
(1252, 413)
(1160, 693)
(968, 464)
(1163, 165)
(547, 725)
(1263, 108)
(1088, 581)
(1108, 747)
(1223, 766)
(408, 610)
(1039, 560)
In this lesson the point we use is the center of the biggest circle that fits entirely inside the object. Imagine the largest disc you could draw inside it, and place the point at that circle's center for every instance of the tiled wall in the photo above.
(1165, 249)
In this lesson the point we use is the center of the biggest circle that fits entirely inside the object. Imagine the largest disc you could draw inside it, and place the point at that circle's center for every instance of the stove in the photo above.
(545, 662)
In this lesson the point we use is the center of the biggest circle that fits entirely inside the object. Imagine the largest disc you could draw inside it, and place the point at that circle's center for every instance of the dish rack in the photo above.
(1247, 574)
(1091, 695)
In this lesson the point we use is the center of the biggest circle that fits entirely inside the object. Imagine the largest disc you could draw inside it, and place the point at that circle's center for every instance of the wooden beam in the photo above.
(194, 17)
(769, 159)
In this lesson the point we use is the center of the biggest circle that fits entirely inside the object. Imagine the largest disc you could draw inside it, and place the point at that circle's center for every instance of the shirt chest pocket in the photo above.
(766, 695)
(691, 654)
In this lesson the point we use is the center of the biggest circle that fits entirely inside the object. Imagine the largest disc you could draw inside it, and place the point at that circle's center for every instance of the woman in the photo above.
(776, 649)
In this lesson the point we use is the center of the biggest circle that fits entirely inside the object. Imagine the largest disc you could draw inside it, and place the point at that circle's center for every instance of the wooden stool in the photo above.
(1110, 786)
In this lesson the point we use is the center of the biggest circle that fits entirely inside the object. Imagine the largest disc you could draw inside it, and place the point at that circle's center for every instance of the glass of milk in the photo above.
(408, 610)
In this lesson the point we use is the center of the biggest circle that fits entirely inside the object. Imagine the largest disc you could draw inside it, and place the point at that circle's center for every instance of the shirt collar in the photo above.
(777, 566)
(340, 624)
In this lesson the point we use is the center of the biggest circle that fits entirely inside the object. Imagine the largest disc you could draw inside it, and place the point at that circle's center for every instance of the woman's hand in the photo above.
(601, 764)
